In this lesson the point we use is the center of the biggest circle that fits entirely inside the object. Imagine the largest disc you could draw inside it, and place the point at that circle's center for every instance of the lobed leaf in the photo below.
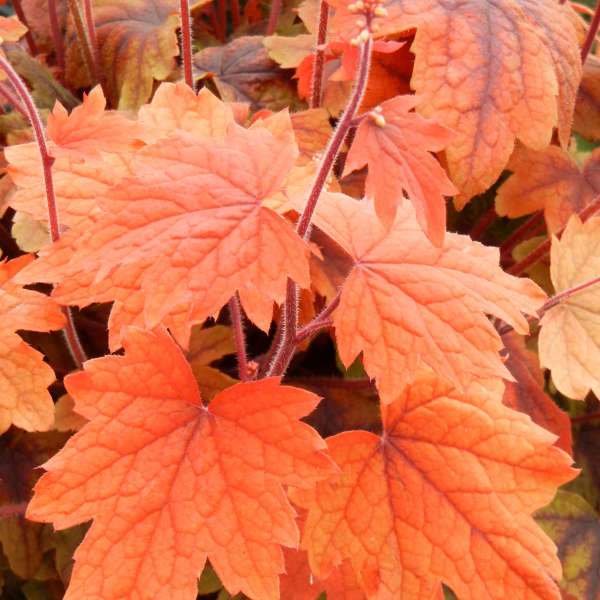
(169, 482)
(445, 494)
(407, 303)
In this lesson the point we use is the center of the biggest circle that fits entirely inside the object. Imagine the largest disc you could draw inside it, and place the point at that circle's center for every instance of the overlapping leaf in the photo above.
(551, 181)
(575, 528)
(527, 394)
(490, 71)
(396, 153)
(138, 44)
(446, 493)
(173, 482)
(408, 303)
(187, 232)
(24, 376)
(92, 149)
(569, 342)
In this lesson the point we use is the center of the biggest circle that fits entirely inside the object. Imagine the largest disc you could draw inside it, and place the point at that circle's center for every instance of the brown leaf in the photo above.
(137, 43)
(243, 72)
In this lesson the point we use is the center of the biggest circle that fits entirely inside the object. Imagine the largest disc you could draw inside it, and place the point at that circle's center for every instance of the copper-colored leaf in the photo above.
(569, 342)
(527, 394)
(173, 481)
(490, 71)
(24, 376)
(574, 527)
(407, 303)
(188, 232)
(20, 454)
(396, 151)
(445, 494)
(551, 181)
(586, 121)
(243, 72)
(138, 44)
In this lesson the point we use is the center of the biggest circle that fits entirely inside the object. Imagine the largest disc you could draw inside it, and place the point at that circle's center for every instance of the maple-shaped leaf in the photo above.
(569, 341)
(527, 394)
(188, 231)
(574, 526)
(92, 151)
(549, 180)
(24, 376)
(396, 152)
(445, 494)
(138, 44)
(490, 71)
(172, 481)
(408, 303)
(242, 71)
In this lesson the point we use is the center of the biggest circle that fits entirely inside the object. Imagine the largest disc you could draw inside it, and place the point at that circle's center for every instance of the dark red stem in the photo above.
(186, 42)
(544, 247)
(554, 300)
(317, 74)
(28, 36)
(222, 10)
(274, 16)
(591, 34)
(336, 140)
(521, 233)
(238, 335)
(586, 418)
(91, 29)
(287, 345)
(320, 321)
(57, 38)
(483, 223)
(47, 161)
(236, 16)
(13, 510)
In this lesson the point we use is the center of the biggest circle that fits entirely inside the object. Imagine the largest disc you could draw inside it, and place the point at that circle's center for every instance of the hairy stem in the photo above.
(47, 161)
(186, 42)
(28, 35)
(320, 321)
(336, 140)
(238, 335)
(57, 39)
(556, 299)
(287, 345)
(12, 98)
(274, 16)
(317, 74)
(591, 34)
(91, 29)
(81, 34)
(543, 249)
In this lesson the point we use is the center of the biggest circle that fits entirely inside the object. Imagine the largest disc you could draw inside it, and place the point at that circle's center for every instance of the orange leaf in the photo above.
(551, 181)
(92, 149)
(138, 44)
(11, 29)
(445, 494)
(586, 120)
(527, 394)
(173, 482)
(24, 376)
(407, 303)
(490, 71)
(188, 231)
(395, 149)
